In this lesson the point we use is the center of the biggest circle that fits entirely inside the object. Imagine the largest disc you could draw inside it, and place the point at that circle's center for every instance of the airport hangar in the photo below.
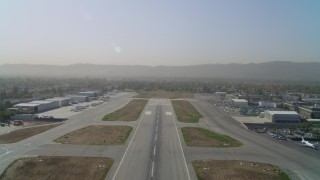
(283, 116)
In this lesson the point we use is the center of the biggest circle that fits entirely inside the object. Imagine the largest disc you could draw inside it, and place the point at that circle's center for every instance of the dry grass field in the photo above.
(130, 112)
(199, 137)
(164, 94)
(185, 111)
(20, 134)
(239, 170)
(62, 168)
(97, 135)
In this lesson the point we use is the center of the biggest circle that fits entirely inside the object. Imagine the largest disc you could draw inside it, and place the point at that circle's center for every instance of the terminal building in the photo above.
(239, 102)
(283, 116)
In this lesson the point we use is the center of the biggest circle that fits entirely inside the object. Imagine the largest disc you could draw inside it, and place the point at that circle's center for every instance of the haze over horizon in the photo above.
(171, 33)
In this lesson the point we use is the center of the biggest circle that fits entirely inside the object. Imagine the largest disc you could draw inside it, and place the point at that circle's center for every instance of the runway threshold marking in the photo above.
(184, 158)
(233, 154)
(125, 153)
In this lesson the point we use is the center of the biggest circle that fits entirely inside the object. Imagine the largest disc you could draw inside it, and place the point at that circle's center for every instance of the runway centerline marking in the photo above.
(169, 113)
(154, 150)
(156, 137)
(152, 169)
(125, 153)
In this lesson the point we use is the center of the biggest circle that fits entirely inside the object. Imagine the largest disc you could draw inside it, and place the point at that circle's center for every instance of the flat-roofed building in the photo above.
(78, 98)
(283, 116)
(239, 102)
(62, 101)
(27, 108)
(265, 104)
(309, 112)
(44, 105)
(89, 93)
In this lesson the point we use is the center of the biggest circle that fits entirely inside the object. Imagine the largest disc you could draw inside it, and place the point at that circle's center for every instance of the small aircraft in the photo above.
(308, 144)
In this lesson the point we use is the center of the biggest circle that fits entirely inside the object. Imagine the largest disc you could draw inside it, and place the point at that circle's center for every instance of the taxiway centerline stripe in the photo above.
(233, 154)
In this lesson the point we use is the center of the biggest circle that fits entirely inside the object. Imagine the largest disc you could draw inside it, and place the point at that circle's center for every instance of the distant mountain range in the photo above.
(277, 70)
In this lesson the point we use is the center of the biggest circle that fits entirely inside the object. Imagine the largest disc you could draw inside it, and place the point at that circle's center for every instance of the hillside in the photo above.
(277, 70)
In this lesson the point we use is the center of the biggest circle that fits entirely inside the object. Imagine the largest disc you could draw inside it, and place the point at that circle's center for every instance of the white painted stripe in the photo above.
(7, 152)
(152, 169)
(169, 113)
(125, 153)
(156, 137)
(156, 129)
(154, 150)
(185, 162)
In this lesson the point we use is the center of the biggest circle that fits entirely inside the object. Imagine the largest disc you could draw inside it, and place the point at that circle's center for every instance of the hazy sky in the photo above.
(158, 32)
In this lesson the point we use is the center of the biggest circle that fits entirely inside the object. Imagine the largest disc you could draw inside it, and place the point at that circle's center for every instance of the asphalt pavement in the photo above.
(297, 164)
(155, 148)
(155, 151)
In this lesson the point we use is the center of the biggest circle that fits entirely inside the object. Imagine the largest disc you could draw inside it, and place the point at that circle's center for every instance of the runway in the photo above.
(155, 150)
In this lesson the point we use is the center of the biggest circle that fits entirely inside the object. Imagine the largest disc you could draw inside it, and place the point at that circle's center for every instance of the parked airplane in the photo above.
(307, 144)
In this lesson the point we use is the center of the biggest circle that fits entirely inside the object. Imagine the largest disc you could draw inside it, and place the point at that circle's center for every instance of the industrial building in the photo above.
(283, 116)
(45, 105)
(62, 101)
(78, 98)
(89, 93)
(239, 102)
(26, 108)
(265, 104)
(309, 112)
(36, 106)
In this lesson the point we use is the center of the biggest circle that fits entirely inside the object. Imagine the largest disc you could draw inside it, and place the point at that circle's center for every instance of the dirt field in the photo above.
(20, 134)
(62, 168)
(164, 94)
(239, 170)
(203, 138)
(185, 111)
(130, 112)
(97, 135)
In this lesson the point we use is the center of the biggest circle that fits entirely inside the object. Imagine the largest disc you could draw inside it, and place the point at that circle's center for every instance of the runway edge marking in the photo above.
(175, 124)
(134, 134)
